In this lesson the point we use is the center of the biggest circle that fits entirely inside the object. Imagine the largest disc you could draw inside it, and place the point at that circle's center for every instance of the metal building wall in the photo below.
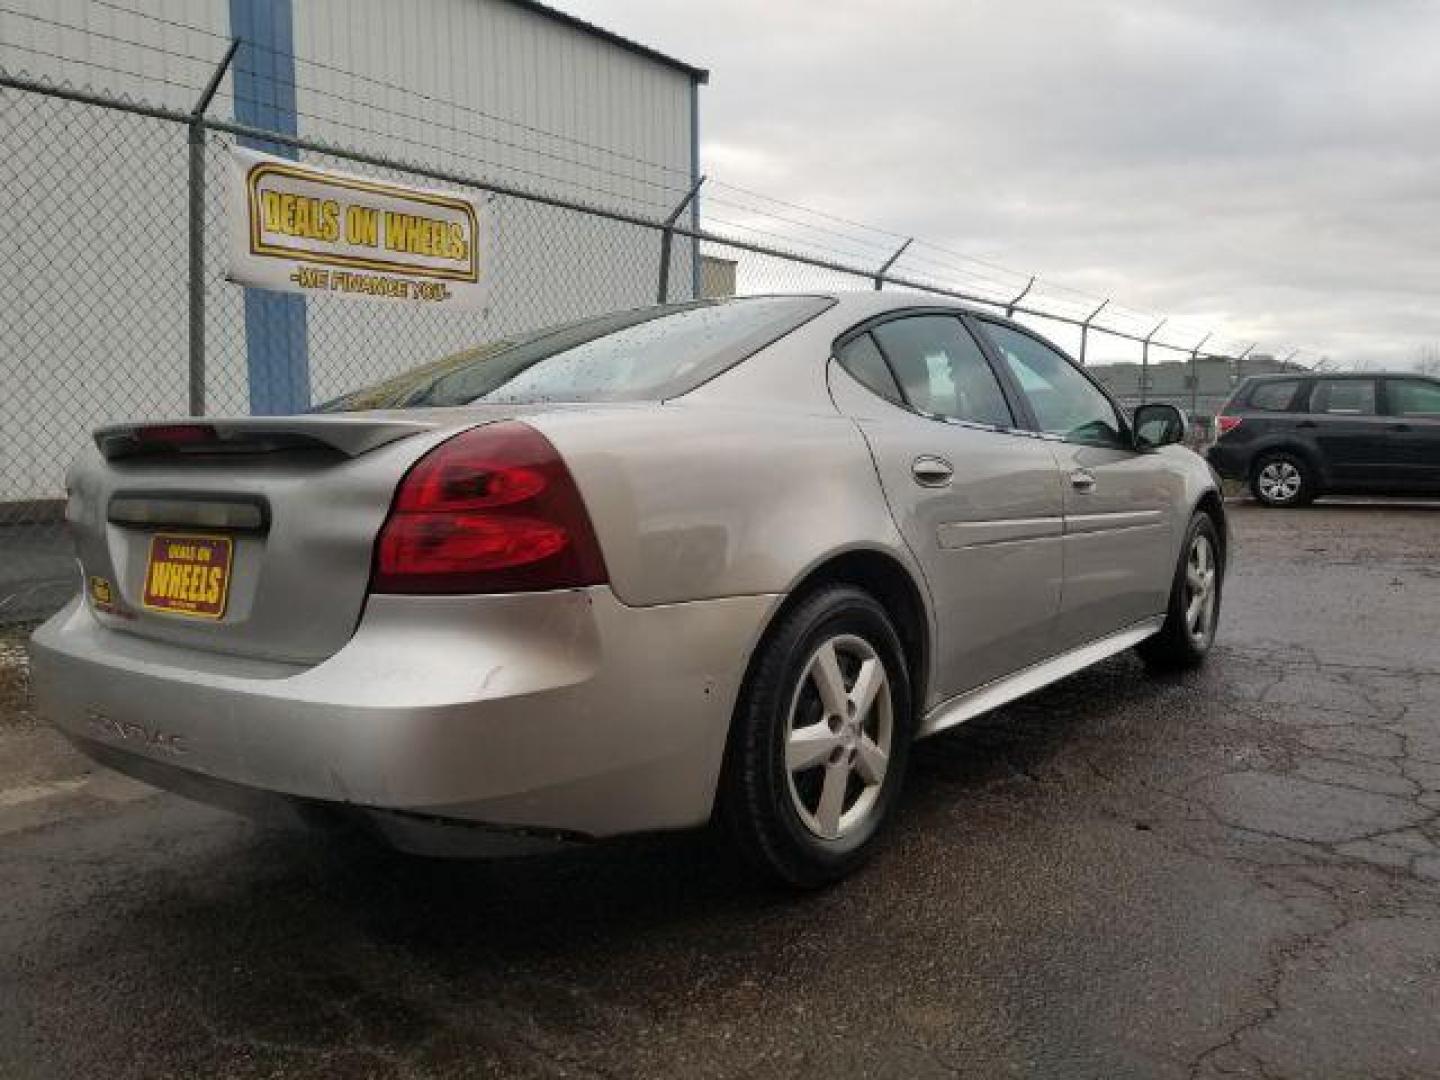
(540, 102)
(137, 48)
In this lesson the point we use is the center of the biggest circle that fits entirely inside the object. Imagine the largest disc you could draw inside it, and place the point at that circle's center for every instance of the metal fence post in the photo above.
(888, 263)
(1010, 307)
(667, 238)
(1235, 372)
(1195, 377)
(1145, 361)
(196, 130)
(1085, 329)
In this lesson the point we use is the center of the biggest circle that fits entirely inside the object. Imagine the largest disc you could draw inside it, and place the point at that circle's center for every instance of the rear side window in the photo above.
(1345, 397)
(862, 359)
(941, 370)
(644, 355)
(1414, 397)
(1273, 396)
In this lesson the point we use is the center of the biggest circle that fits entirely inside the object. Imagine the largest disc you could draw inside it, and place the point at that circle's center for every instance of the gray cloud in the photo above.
(1268, 166)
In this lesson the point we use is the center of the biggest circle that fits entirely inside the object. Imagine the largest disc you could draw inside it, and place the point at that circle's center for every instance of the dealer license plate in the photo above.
(188, 575)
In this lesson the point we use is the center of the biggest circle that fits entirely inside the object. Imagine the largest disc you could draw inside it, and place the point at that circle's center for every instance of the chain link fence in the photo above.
(102, 313)
(85, 336)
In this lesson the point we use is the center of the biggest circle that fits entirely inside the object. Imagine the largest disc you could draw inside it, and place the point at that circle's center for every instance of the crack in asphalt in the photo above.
(1415, 839)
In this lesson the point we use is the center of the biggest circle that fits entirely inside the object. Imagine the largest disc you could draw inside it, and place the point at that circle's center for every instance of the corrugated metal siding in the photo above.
(115, 50)
(496, 89)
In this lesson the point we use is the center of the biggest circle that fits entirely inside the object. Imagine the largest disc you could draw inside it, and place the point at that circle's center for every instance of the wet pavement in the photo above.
(1235, 872)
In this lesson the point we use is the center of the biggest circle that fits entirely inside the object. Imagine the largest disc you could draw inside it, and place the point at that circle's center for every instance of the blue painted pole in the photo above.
(276, 343)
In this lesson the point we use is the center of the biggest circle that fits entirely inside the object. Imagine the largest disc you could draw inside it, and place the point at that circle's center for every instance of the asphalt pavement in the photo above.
(1234, 872)
(37, 568)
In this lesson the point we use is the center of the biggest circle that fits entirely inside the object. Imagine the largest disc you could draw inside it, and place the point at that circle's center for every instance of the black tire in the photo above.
(1177, 646)
(758, 795)
(1282, 479)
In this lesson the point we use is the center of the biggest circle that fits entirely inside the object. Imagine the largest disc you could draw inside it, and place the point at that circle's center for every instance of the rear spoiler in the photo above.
(348, 435)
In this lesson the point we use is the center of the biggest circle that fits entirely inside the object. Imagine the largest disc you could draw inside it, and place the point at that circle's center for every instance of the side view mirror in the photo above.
(1157, 424)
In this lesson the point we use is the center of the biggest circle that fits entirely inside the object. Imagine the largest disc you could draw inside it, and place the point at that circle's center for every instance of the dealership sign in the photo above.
(300, 229)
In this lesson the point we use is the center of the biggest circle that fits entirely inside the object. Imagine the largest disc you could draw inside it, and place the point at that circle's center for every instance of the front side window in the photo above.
(1065, 402)
(1414, 397)
(1273, 396)
(1345, 397)
(941, 370)
(648, 354)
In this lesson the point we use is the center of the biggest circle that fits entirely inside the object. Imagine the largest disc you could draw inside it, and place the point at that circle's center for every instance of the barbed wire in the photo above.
(496, 167)
(782, 242)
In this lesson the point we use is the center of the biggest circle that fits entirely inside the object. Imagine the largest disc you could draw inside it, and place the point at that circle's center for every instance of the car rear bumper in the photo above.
(561, 713)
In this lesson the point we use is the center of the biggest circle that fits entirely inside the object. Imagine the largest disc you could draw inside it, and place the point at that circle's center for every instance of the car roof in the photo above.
(865, 302)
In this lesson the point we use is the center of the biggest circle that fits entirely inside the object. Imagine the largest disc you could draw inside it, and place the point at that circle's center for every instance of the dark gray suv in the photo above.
(1294, 437)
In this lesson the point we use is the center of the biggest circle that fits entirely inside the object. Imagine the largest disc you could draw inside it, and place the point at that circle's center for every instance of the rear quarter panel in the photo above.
(696, 502)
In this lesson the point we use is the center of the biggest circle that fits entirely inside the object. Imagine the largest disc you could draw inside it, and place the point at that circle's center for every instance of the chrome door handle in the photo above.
(1083, 481)
(932, 471)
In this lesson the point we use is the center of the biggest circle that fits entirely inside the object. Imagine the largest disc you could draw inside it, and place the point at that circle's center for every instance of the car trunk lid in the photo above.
(251, 537)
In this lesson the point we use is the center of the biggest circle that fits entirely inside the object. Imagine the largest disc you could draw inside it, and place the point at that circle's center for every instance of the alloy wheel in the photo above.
(1279, 481)
(1201, 589)
(839, 736)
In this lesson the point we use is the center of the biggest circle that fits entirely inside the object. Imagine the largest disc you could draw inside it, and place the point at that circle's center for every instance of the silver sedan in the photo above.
(630, 573)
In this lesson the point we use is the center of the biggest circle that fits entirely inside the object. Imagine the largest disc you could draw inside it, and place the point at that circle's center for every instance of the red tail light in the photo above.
(493, 509)
(1227, 424)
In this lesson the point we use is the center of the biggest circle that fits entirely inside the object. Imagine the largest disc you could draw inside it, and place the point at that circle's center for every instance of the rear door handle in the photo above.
(1083, 481)
(1307, 424)
(1399, 427)
(932, 471)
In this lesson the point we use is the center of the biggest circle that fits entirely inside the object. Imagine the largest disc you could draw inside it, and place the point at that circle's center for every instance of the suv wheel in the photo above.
(821, 738)
(1282, 480)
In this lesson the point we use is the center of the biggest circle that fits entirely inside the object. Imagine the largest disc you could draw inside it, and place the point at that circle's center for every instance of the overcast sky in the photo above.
(1268, 167)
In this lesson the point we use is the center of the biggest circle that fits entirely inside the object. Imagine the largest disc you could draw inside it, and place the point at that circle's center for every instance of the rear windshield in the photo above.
(644, 355)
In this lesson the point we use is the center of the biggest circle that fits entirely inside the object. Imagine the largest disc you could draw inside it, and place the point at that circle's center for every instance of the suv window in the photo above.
(862, 359)
(1273, 396)
(941, 369)
(1345, 397)
(1413, 397)
(1065, 401)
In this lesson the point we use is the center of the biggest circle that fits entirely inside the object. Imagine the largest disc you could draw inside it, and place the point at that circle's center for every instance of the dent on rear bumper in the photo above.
(566, 711)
